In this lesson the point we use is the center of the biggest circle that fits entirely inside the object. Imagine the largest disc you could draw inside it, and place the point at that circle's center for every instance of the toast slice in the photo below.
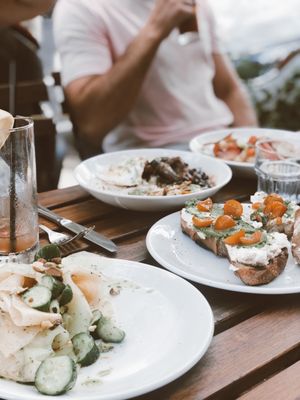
(213, 243)
(209, 237)
(256, 256)
(296, 238)
(275, 218)
(260, 264)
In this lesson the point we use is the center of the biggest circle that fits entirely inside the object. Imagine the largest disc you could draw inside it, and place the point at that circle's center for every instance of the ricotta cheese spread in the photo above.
(252, 255)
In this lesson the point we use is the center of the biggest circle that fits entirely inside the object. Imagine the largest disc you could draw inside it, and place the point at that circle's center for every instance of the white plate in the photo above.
(85, 174)
(165, 336)
(178, 253)
(239, 168)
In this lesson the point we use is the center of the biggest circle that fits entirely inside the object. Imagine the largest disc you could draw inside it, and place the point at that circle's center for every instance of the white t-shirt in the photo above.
(176, 101)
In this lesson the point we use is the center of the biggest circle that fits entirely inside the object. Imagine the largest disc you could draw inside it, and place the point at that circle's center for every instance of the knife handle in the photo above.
(48, 214)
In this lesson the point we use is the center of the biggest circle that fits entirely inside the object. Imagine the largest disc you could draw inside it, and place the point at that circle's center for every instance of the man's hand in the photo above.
(168, 14)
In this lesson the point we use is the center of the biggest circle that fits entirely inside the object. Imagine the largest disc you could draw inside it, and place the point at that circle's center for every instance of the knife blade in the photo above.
(93, 237)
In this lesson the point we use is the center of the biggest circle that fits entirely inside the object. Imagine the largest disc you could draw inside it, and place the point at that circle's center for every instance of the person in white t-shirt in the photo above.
(132, 80)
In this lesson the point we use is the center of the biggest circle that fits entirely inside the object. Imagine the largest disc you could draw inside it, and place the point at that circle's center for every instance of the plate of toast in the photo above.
(249, 247)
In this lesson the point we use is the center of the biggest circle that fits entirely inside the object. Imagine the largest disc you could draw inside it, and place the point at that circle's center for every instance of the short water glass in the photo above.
(277, 167)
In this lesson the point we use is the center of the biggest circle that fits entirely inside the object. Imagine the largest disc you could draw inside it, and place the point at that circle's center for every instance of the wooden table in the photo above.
(255, 351)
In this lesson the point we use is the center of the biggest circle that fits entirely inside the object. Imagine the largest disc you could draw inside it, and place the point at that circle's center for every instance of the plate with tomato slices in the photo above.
(236, 146)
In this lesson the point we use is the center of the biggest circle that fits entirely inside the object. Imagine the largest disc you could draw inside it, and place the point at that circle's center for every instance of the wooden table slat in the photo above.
(284, 385)
(256, 337)
(240, 357)
(61, 197)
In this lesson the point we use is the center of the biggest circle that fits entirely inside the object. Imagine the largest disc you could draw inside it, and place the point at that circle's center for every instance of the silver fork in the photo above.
(61, 239)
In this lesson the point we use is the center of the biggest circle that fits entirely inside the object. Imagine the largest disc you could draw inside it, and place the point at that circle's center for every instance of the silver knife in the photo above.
(93, 237)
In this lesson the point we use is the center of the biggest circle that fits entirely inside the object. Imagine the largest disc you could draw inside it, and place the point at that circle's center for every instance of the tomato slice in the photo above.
(224, 222)
(205, 205)
(252, 140)
(273, 197)
(275, 209)
(251, 239)
(202, 222)
(250, 152)
(233, 208)
(217, 149)
(234, 239)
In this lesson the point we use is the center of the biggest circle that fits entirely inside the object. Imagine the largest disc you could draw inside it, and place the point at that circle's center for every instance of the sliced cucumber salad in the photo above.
(38, 297)
(85, 349)
(56, 375)
(55, 285)
(71, 344)
(108, 332)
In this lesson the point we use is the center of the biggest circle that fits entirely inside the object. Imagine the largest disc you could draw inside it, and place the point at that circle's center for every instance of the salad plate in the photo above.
(175, 251)
(165, 337)
(241, 163)
(116, 178)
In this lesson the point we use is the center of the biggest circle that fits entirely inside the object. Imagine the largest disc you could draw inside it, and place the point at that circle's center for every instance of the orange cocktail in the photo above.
(23, 241)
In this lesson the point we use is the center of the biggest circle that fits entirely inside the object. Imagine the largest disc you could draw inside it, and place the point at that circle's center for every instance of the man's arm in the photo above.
(13, 11)
(99, 103)
(230, 89)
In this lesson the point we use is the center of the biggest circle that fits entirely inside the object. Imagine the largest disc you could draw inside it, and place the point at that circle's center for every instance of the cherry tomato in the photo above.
(273, 197)
(205, 205)
(224, 222)
(233, 208)
(251, 239)
(202, 222)
(234, 239)
(275, 209)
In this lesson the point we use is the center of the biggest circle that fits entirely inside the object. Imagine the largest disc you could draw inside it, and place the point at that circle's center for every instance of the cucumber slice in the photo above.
(54, 307)
(61, 341)
(56, 375)
(38, 297)
(53, 284)
(97, 315)
(108, 332)
(66, 295)
(48, 252)
(85, 349)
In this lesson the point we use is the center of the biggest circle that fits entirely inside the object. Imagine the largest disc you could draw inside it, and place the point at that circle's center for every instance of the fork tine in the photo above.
(78, 236)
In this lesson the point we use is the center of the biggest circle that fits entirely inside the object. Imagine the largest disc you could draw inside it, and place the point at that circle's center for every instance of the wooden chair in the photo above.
(49, 155)
(27, 97)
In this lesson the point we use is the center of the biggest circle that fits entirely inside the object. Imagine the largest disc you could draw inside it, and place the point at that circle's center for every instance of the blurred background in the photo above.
(262, 37)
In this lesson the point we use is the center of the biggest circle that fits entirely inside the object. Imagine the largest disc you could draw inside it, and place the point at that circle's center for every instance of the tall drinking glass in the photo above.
(277, 167)
(18, 194)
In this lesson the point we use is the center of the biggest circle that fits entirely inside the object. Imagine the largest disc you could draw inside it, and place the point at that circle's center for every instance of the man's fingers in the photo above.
(188, 9)
(189, 6)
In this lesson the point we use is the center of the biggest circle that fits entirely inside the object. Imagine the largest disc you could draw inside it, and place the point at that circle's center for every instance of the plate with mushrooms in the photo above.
(151, 179)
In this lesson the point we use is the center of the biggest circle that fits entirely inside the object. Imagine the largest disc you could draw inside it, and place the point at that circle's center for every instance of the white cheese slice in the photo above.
(6, 123)
(15, 336)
